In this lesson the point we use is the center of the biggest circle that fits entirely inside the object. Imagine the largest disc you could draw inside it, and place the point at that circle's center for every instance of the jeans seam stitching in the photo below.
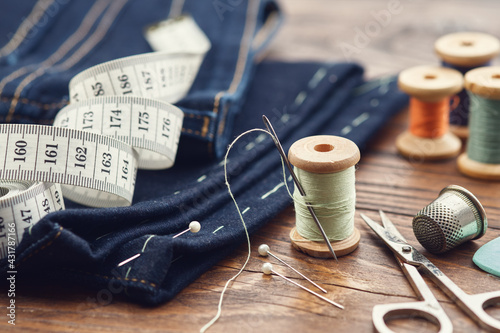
(48, 244)
(237, 71)
(10, 50)
(142, 281)
(24, 100)
(84, 51)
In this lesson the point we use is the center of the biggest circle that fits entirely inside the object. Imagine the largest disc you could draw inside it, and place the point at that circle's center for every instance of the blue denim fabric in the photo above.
(84, 246)
(117, 26)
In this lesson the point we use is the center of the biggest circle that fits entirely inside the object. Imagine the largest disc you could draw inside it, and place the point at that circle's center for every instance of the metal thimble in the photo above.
(455, 217)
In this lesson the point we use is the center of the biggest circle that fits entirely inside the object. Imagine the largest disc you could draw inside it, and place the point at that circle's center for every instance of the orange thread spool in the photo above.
(429, 119)
(428, 136)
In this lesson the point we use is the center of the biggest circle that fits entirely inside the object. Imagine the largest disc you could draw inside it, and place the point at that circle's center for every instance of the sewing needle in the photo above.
(297, 183)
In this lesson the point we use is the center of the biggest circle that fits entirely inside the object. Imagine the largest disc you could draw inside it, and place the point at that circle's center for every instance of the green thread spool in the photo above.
(482, 159)
(324, 165)
(335, 205)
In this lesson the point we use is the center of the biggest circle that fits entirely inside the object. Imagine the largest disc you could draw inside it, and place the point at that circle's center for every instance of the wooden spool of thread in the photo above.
(430, 89)
(465, 51)
(324, 166)
(482, 159)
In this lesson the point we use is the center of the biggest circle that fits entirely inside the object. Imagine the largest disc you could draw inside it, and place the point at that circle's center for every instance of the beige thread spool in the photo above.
(429, 84)
(324, 154)
(465, 51)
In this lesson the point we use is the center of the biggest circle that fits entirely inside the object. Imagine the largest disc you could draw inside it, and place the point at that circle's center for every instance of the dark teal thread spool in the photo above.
(465, 51)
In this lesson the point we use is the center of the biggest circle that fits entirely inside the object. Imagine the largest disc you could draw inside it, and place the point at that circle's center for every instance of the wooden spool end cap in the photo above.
(461, 131)
(467, 49)
(484, 81)
(320, 249)
(430, 83)
(323, 154)
(417, 148)
(478, 170)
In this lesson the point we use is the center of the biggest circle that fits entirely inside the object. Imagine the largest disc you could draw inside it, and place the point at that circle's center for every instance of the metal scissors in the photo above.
(429, 308)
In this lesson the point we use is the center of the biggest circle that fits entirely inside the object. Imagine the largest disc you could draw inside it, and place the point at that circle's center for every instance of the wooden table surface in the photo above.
(315, 30)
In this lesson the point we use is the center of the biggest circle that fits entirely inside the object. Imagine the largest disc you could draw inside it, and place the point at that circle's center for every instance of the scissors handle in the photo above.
(475, 305)
(384, 312)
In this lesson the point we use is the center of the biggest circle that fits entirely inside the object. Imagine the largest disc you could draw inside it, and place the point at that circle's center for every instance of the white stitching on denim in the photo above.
(128, 271)
(317, 77)
(277, 187)
(202, 178)
(346, 130)
(261, 138)
(285, 118)
(146, 242)
(300, 98)
(360, 119)
(250, 146)
(213, 232)
(109, 233)
(245, 210)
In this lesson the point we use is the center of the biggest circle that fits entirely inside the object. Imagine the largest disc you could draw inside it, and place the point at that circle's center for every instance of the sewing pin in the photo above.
(129, 259)
(194, 227)
(264, 251)
(299, 187)
(267, 269)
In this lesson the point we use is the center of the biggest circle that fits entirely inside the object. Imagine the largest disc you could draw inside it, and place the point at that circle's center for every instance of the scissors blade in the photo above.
(388, 225)
(411, 272)
(400, 247)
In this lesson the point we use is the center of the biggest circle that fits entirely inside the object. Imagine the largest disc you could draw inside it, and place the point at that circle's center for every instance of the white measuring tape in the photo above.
(21, 205)
(119, 119)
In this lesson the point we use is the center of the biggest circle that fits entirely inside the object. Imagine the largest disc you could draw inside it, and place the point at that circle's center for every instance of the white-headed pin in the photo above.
(264, 251)
(267, 269)
(194, 227)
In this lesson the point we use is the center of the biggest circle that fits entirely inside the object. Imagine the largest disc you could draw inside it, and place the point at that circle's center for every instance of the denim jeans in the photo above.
(73, 35)
(85, 245)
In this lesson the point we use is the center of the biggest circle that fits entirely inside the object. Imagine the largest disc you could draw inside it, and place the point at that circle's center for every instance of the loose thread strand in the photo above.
(342, 202)
(219, 308)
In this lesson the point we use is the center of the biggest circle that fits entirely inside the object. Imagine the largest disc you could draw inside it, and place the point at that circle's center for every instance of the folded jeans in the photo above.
(82, 245)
